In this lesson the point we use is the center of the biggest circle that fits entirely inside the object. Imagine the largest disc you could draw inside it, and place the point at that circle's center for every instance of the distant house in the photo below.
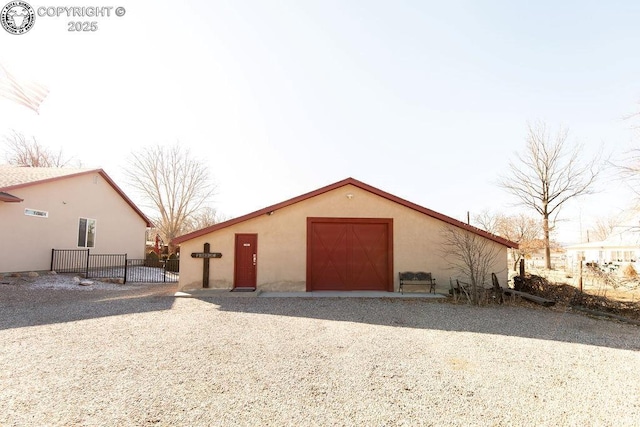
(622, 247)
(535, 257)
(343, 237)
(61, 208)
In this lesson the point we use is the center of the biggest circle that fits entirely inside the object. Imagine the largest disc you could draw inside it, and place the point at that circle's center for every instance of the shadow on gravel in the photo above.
(22, 307)
(507, 320)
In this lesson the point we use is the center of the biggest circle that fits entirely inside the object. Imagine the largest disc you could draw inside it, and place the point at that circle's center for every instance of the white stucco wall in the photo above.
(282, 242)
(26, 241)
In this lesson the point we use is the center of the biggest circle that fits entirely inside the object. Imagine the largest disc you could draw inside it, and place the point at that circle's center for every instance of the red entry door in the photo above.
(246, 261)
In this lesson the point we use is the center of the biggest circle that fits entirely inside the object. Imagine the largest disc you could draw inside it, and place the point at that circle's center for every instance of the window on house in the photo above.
(615, 256)
(86, 233)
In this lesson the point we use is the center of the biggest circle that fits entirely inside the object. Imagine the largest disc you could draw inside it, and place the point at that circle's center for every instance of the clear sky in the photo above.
(428, 100)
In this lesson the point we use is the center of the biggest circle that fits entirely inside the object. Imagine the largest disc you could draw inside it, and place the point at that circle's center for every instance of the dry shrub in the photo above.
(630, 272)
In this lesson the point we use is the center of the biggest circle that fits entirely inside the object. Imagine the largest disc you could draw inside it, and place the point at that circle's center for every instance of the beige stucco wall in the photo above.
(26, 241)
(282, 243)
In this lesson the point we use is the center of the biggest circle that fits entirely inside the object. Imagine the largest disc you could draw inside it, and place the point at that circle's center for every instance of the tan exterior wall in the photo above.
(282, 243)
(26, 241)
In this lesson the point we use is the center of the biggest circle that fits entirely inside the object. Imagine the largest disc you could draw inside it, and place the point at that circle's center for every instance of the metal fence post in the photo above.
(86, 273)
(125, 269)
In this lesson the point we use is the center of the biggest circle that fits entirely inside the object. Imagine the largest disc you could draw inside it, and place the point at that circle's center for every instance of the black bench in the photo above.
(417, 278)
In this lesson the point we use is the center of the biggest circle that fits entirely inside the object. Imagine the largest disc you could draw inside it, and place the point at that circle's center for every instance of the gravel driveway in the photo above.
(135, 355)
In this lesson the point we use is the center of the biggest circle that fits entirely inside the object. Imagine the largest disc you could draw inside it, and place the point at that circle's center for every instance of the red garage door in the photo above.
(349, 254)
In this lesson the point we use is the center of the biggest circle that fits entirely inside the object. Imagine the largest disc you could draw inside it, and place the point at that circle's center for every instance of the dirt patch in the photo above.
(614, 302)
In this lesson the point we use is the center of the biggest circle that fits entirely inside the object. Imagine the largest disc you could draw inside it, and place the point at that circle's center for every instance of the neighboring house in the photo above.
(60, 208)
(621, 247)
(345, 236)
(536, 257)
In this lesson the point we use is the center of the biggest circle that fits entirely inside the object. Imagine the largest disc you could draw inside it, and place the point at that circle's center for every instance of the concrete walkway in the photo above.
(215, 293)
(349, 294)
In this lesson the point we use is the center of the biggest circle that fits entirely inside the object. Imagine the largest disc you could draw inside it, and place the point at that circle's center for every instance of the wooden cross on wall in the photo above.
(206, 256)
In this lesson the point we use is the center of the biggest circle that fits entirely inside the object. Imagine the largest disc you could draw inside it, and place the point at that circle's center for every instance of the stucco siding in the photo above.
(27, 241)
(282, 242)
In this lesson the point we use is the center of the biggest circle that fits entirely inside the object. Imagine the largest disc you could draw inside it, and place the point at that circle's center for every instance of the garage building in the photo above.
(347, 236)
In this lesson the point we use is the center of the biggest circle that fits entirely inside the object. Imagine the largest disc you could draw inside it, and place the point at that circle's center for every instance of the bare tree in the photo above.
(527, 232)
(203, 218)
(173, 183)
(603, 227)
(549, 173)
(634, 117)
(520, 228)
(488, 221)
(470, 255)
(21, 151)
(629, 170)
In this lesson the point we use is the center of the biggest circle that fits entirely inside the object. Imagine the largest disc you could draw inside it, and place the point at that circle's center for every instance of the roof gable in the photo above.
(339, 184)
(16, 177)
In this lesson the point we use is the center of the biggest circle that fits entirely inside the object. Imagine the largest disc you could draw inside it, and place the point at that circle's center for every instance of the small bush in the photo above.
(173, 263)
(630, 272)
(152, 260)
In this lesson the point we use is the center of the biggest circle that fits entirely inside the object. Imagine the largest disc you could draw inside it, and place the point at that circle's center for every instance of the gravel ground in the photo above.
(134, 355)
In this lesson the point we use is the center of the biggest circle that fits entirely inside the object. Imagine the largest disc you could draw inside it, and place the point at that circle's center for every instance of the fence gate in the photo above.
(152, 271)
(114, 266)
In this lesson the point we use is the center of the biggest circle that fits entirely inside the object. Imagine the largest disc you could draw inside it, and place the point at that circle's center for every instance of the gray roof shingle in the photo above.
(18, 175)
